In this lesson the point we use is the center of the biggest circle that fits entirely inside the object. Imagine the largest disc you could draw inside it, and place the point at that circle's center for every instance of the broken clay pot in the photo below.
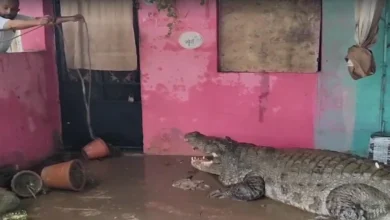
(68, 175)
(96, 149)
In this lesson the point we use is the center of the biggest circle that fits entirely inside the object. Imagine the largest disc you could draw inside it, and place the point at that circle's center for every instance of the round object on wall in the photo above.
(149, 2)
(190, 40)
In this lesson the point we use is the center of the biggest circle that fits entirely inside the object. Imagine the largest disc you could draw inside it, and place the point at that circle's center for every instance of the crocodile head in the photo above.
(220, 157)
(211, 147)
(207, 145)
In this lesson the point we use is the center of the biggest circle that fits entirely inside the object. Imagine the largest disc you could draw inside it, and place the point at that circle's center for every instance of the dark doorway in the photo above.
(115, 108)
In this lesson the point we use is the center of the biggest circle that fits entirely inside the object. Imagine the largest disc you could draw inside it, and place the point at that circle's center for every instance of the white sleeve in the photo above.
(3, 21)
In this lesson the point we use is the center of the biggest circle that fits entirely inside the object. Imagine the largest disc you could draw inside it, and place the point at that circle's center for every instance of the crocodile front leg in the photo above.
(251, 188)
(357, 202)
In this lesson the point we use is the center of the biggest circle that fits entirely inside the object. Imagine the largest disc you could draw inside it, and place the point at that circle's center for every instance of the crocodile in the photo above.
(327, 183)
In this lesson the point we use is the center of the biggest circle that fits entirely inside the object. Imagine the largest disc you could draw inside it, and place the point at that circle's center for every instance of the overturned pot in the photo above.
(96, 149)
(26, 184)
(68, 175)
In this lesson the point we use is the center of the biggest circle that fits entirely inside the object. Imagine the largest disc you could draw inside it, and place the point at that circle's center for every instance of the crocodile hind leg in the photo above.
(251, 188)
(357, 202)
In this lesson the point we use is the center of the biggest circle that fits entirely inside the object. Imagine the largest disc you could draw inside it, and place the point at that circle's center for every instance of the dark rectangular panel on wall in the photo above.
(116, 110)
(269, 35)
(115, 107)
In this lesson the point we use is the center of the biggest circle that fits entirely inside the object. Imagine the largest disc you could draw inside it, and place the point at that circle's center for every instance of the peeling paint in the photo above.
(335, 111)
(16, 79)
(31, 124)
(182, 85)
(29, 95)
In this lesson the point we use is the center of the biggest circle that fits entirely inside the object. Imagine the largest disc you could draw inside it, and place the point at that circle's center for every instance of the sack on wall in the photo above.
(360, 62)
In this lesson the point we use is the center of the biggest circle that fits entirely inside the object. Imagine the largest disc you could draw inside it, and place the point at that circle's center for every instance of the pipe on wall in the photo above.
(384, 70)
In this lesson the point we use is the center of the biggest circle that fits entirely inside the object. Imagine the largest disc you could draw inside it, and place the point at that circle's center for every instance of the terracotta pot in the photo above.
(96, 149)
(26, 183)
(68, 175)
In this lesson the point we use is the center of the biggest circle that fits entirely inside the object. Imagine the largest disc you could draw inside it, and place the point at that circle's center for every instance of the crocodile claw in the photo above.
(218, 194)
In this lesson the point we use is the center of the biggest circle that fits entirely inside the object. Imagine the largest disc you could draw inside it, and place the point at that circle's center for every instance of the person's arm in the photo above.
(63, 19)
(22, 23)
(25, 22)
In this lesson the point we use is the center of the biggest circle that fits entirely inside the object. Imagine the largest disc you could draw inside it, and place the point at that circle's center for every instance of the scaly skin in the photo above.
(327, 183)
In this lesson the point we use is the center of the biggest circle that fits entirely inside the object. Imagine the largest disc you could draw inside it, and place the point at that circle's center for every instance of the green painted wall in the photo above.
(367, 102)
(347, 110)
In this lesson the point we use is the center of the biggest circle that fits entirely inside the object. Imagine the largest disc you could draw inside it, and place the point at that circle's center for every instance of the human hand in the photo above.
(78, 17)
(45, 20)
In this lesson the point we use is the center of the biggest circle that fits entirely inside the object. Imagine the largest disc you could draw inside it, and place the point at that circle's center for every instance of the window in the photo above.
(269, 36)
(26, 41)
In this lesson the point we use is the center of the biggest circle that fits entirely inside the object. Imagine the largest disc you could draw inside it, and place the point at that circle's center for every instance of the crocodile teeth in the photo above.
(203, 158)
(196, 158)
(207, 163)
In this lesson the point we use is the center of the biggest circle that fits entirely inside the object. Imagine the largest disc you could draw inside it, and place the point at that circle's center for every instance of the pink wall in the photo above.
(35, 40)
(183, 91)
(30, 115)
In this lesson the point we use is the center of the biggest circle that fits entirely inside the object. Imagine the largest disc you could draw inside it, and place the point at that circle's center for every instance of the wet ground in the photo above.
(137, 187)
